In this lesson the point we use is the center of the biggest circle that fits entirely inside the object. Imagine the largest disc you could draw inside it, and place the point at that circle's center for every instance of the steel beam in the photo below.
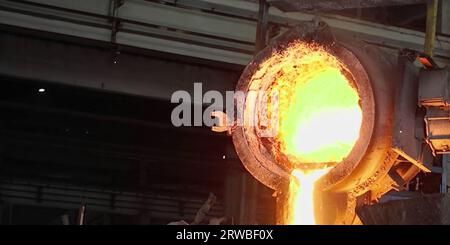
(430, 35)
(127, 203)
(263, 21)
(445, 173)
(326, 5)
(144, 24)
(180, 27)
(46, 60)
(444, 25)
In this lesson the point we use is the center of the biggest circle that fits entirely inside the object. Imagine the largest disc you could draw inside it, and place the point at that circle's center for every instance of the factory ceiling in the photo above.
(326, 5)
(178, 27)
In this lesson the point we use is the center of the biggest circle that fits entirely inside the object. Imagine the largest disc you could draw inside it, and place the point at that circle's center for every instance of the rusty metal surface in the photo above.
(262, 27)
(427, 210)
(378, 158)
(438, 130)
(431, 30)
(299, 5)
(434, 95)
(408, 135)
(434, 88)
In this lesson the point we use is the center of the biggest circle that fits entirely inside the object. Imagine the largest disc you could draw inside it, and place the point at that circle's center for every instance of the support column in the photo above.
(445, 174)
(263, 26)
(430, 37)
(232, 197)
(444, 17)
(2, 144)
(3, 207)
(249, 197)
(241, 194)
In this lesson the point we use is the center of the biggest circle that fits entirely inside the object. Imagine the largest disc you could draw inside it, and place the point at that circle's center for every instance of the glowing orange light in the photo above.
(301, 206)
(319, 117)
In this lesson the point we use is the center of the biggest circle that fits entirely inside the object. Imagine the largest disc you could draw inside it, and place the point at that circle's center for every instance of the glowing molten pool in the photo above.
(319, 118)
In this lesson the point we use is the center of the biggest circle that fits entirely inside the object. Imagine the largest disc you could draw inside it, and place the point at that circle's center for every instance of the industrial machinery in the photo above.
(390, 118)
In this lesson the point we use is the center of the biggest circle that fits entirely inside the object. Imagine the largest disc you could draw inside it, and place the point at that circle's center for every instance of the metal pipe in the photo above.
(325, 5)
(445, 173)
(261, 31)
(81, 213)
(430, 36)
(444, 18)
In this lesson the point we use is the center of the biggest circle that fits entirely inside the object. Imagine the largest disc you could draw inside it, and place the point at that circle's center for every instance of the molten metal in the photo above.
(301, 197)
(319, 112)
(319, 117)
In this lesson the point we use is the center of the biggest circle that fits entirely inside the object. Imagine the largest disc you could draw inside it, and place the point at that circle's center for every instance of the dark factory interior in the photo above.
(86, 136)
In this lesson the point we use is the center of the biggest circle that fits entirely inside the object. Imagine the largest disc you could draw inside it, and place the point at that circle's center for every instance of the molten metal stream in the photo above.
(301, 197)
(319, 118)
